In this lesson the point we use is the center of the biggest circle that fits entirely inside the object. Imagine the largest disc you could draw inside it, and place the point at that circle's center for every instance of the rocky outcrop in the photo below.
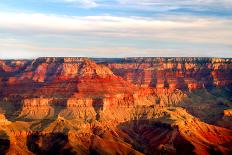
(228, 113)
(3, 120)
(177, 132)
(116, 106)
(226, 120)
(172, 73)
(161, 73)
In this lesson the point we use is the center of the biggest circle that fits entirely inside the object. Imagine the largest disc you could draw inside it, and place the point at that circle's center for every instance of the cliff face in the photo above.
(160, 73)
(174, 73)
(116, 106)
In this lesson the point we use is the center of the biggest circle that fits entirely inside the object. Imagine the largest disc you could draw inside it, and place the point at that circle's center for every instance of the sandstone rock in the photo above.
(3, 120)
(154, 72)
(116, 106)
(228, 112)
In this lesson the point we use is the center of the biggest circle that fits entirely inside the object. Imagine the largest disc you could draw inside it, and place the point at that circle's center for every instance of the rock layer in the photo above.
(180, 73)
(116, 106)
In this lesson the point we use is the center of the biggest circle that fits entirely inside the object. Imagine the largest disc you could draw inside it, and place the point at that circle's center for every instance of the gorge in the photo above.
(71, 105)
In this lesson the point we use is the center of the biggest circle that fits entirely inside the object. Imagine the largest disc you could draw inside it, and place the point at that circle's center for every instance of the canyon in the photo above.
(115, 106)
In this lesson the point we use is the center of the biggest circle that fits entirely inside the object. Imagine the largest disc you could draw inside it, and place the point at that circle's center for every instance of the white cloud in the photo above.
(20, 51)
(82, 3)
(157, 4)
(179, 3)
(33, 35)
(189, 28)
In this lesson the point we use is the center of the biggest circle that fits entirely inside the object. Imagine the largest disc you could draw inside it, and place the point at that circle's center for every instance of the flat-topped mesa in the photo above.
(173, 73)
(75, 59)
(85, 78)
(81, 106)
(69, 82)
(49, 69)
(91, 69)
(64, 77)
(9, 66)
(163, 60)
(46, 76)
(61, 59)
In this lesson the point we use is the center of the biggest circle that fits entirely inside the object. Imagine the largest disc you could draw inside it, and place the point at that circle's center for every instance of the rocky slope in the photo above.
(180, 73)
(116, 106)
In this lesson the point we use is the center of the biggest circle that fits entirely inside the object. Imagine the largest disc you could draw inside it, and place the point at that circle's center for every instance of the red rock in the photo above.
(228, 112)
(112, 106)
(200, 71)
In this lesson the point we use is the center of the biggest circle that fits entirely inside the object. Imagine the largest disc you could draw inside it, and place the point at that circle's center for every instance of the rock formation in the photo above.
(116, 106)
(180, 73)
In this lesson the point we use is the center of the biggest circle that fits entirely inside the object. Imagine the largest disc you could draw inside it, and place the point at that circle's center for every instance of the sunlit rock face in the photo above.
(172, 73)
(3, 120)
(116, 106)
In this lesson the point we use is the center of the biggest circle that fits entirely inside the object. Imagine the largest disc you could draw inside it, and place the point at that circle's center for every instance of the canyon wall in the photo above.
(173, 73)
(116, 106)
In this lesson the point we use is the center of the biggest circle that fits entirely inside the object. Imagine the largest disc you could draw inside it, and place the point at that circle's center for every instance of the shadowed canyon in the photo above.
(116, 106)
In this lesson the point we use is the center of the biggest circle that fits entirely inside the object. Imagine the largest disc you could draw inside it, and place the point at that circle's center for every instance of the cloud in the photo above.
(28, 51)
(187, 29)
(33, 35)
(82, 3)
(175, 2)
(153, 4)
(181, 4)
(22, 50)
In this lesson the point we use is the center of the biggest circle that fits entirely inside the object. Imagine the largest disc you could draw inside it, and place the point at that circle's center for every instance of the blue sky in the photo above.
(115, 28)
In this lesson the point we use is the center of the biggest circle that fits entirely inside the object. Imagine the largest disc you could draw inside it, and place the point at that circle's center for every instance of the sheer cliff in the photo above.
(116, 106)
(173, 73)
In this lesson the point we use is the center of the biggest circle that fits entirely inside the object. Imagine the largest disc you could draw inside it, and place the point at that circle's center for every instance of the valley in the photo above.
(116, 106)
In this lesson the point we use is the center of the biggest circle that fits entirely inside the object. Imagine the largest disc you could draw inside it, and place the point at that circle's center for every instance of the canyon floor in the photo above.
(116, 106)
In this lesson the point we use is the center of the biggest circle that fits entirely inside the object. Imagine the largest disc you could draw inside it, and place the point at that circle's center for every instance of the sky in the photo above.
(115, 28)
